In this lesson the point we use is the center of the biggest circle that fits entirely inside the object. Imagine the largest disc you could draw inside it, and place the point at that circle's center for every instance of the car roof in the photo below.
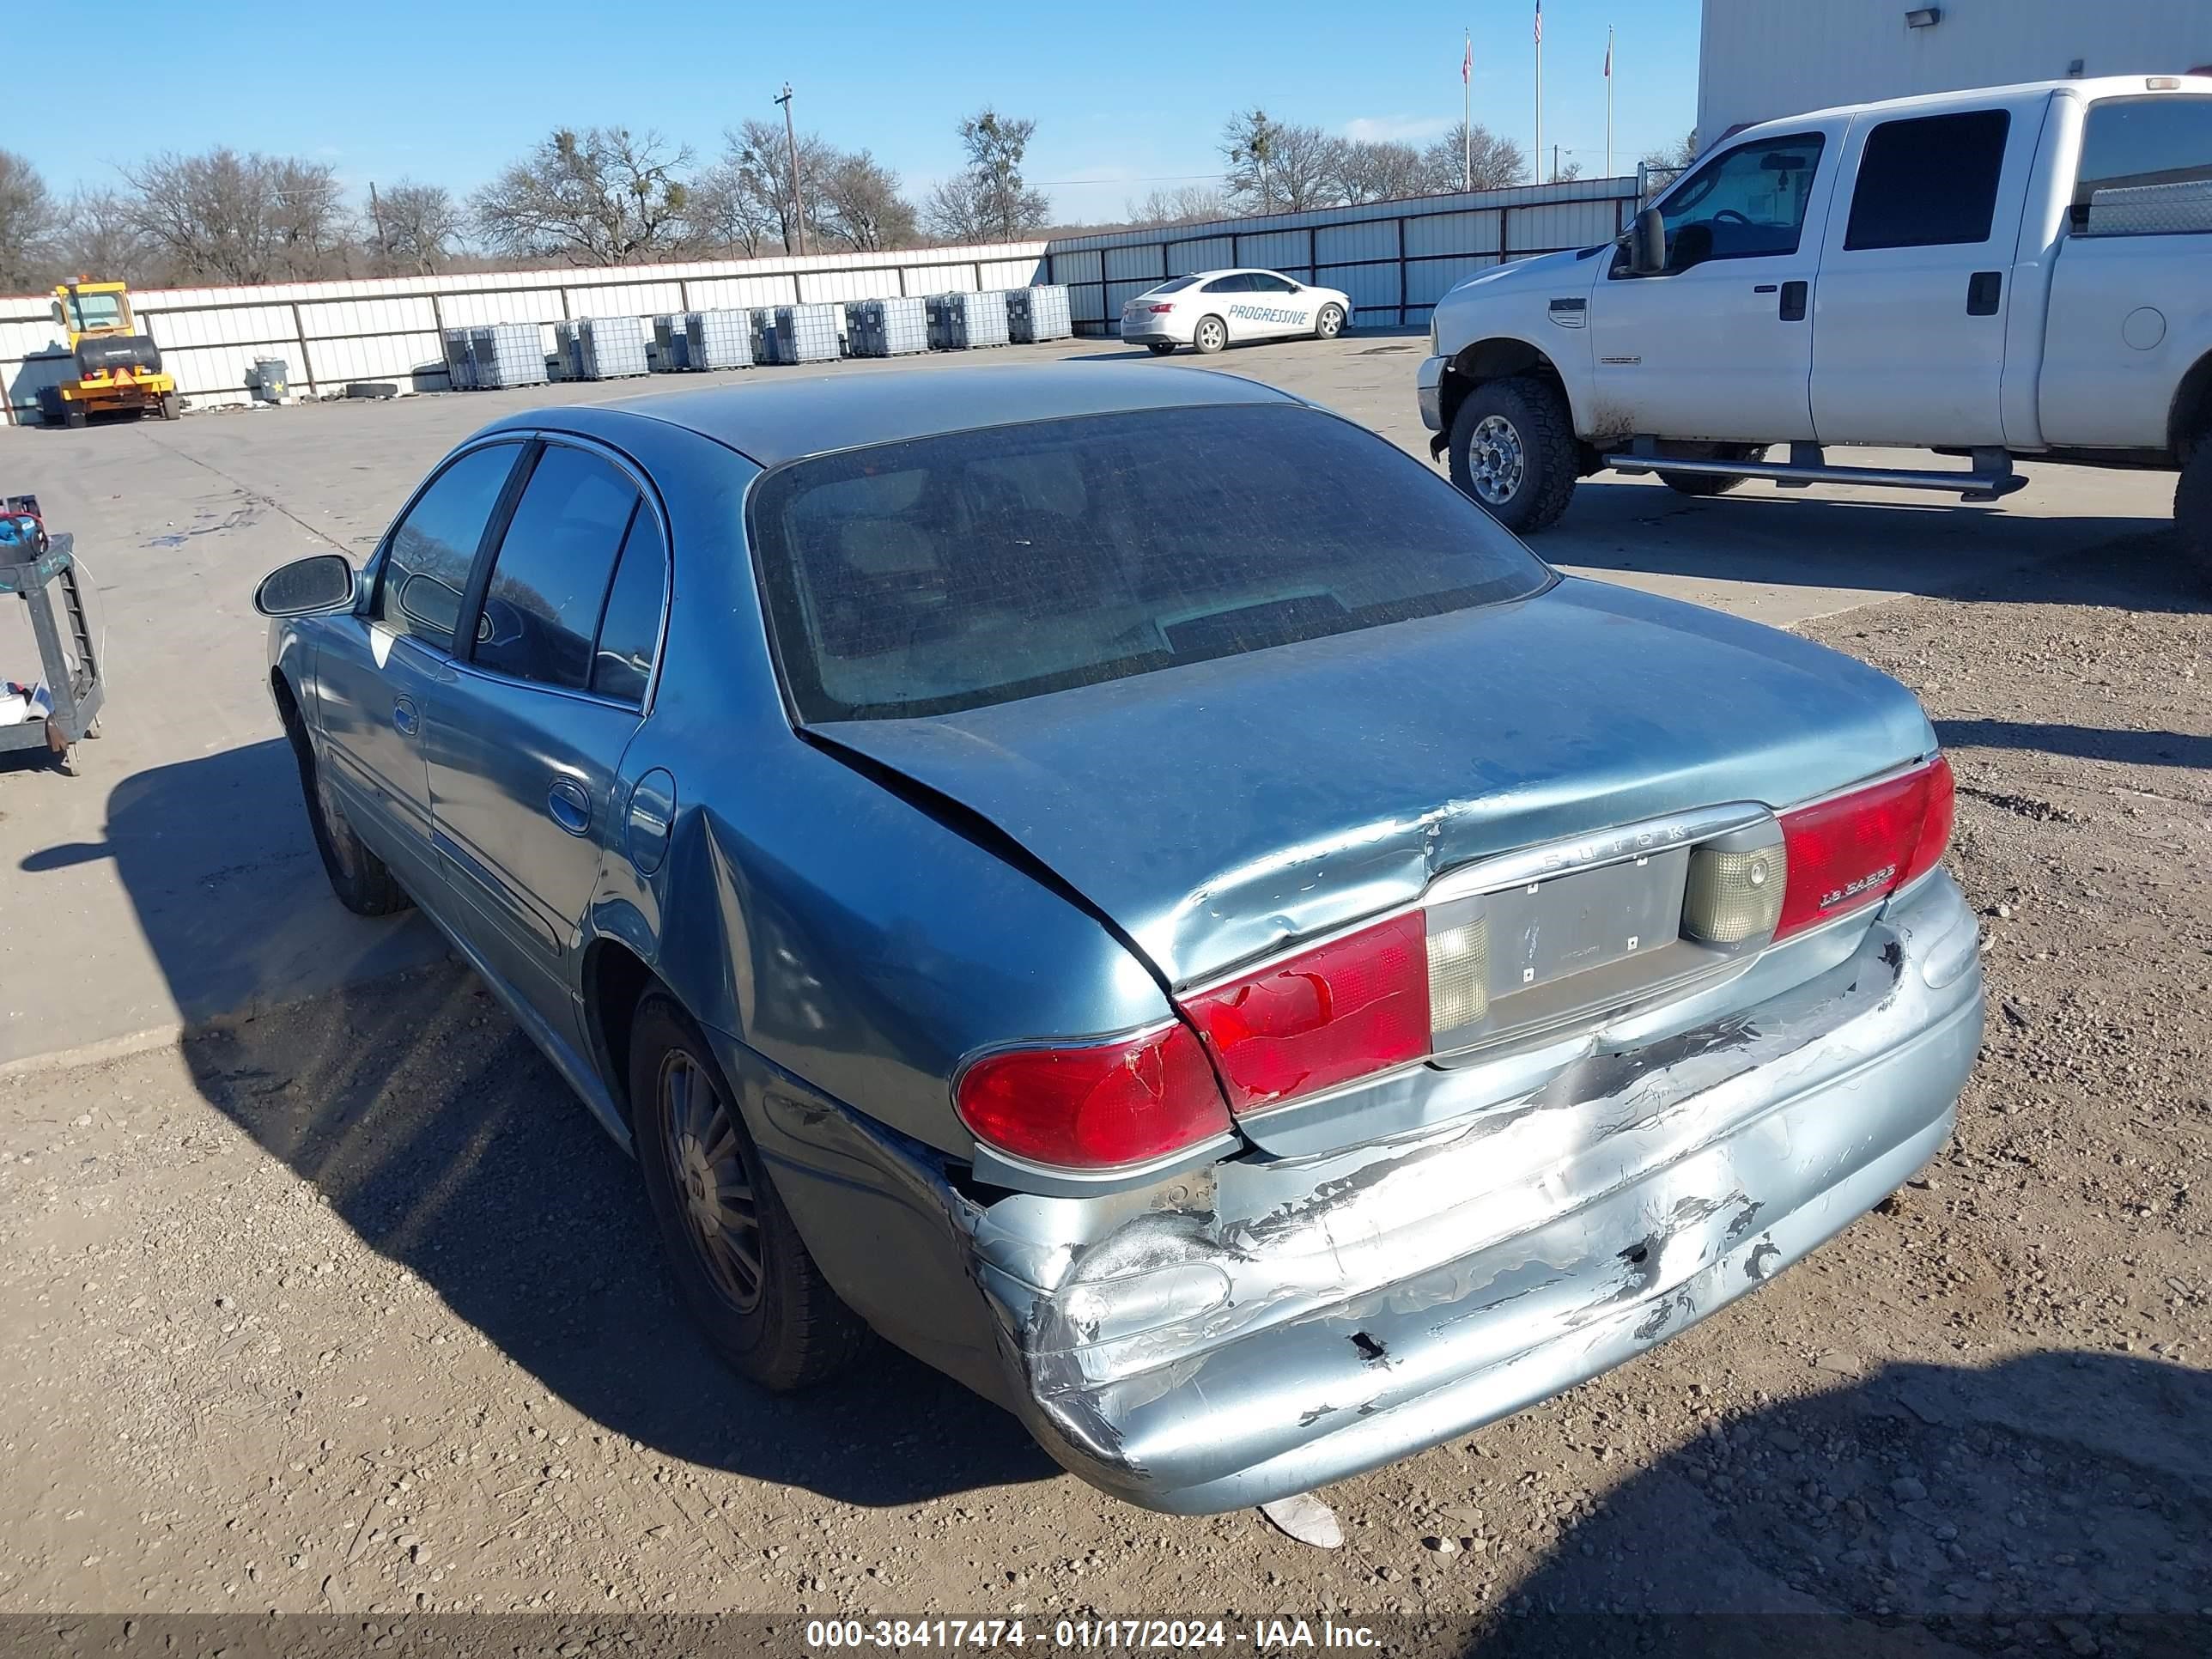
(2086, 88)
(1227, 270)
(779, 416)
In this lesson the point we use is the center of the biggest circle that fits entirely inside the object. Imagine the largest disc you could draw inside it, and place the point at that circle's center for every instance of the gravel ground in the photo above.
(350, 1310)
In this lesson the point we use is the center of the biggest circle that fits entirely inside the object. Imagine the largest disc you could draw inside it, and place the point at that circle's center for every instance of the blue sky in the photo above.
(1126, 96)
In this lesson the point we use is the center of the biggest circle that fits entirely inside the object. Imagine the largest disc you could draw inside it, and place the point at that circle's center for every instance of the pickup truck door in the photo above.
(1917, 277)
(1719, 344)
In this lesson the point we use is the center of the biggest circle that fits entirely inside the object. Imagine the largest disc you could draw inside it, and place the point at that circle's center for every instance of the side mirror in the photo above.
(323, 582)
(1647, 243)
(1295, 289)
(61, 317)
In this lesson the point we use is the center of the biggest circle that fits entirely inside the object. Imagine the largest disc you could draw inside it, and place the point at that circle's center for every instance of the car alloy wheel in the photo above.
(1211, 335)
(715, 1183)
(343, 845)
(1331, 324)
(1495, 460)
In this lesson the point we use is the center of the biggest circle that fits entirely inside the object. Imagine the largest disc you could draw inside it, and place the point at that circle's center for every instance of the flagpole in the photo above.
(1467, 125)
(1540, 91)
(1608, 100)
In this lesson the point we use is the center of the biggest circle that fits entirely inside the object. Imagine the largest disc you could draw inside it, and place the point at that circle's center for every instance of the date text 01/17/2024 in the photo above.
(1134, 1635)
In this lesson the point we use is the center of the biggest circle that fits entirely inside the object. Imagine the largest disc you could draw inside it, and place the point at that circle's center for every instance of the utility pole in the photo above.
(798, 206)
(376, 212)
(1608, 100)
(1539, 156)
(1466, 126)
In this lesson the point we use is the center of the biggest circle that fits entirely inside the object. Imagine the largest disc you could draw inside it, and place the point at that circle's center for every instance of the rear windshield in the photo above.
(1175, 286)
(953, 572)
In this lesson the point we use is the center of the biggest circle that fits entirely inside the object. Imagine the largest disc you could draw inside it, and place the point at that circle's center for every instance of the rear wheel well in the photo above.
(615, 978)
(2191, 422)
(1493, 360)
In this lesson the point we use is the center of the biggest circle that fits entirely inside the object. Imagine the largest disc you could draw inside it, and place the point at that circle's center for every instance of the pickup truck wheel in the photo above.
(1513, 452)
(2192, 507)
(1714, 483)
(738, 1261)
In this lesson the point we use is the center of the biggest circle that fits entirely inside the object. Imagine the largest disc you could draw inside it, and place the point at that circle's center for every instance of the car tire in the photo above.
(1513, 451)
(2192, 507)
(1210, 335)
(362, 882)
(1160, 347)
(739, 1264)
(1330, 323)
(170, 407)
(1714, 483)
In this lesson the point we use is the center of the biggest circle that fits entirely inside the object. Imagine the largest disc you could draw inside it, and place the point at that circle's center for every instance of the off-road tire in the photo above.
(361, 880)
(171, 409)
(1160, 347)
(1537, 413)
(1327, 329)
(2192, 509)
(797, 1333)
(1714, 483)
(1220, 336)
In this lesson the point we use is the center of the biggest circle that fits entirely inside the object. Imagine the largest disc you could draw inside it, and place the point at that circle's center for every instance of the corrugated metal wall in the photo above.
(1395, 258)
(389, 329)
(1759, 61)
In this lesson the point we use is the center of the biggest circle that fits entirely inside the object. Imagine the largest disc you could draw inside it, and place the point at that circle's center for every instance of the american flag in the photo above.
(1540, 22)
(1466, 64)
(1609, 54)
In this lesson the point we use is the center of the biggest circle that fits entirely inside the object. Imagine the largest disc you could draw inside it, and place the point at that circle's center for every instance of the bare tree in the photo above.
(1276, 166)
(603, 197)
(419, 227)
(1676, 157)
(755, 171)
(99, 237)
(989, 201)
(862, 206)
(1498, 161)
(228, 217)
(29, 222)
(1371, 171)
(730, 212)
(1186, 204)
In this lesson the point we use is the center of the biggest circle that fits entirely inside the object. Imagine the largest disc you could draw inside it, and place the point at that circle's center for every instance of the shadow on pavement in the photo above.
(449, 1146)
(2080, 742)
(2055, 1503)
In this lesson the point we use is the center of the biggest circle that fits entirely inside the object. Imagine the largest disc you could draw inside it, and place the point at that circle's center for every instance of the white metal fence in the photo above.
(1395, 258)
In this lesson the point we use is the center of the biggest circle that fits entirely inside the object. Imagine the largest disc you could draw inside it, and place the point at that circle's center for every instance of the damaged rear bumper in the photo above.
(1270, 1325)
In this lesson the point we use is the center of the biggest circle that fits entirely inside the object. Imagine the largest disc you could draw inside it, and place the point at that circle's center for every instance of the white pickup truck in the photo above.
(2015, 271)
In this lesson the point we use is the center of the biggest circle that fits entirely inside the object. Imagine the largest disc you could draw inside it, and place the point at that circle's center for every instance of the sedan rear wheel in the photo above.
(1329, 324)
(739, 1262)
(1212, 335)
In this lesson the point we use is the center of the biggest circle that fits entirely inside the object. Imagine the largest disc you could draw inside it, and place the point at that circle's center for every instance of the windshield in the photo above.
(1176, 286)
(954, 572)
(91, 310)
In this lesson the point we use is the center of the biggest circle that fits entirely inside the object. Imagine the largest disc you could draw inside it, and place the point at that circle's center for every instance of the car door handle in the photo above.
(571, 808)
(1793, 301)
(1985, 290)
(405, 719)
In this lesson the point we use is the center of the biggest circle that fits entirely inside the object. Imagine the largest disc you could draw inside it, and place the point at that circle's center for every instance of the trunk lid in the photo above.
(1220, 811)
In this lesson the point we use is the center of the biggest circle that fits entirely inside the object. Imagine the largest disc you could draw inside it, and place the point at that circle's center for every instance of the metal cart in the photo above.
(76, 685)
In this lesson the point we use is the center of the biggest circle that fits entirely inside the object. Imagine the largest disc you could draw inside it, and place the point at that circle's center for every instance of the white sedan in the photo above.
(1213, 308)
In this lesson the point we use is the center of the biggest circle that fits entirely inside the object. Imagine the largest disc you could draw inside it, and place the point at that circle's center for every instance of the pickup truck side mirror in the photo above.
(1647, 243)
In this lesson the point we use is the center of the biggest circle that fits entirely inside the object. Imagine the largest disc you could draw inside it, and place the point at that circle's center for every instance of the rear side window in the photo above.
(2146, 168)
(549, 580)
(427, 562)
(1239, 284)
(954, 572)
(630, 631)
(1931, 182)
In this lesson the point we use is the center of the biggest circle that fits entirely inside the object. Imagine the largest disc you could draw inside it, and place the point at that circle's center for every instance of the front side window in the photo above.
(426, 563)
(1747, 203)
(91, 310)
(976, 567)
(1929, 182)
(2146, 168)
(549, 579)
(1262, 283)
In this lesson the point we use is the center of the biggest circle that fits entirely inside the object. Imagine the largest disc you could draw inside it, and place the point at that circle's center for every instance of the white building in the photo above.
(1761, 59)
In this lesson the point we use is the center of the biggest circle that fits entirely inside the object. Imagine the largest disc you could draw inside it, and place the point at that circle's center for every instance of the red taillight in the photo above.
(1861, 847)
(1344, 1010)
(1096, 1107)
(1160, 310)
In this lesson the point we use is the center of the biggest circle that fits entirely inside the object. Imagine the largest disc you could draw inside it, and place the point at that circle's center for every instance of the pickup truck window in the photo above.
(1931, 182)
(1745, 203)
(2146, 168)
